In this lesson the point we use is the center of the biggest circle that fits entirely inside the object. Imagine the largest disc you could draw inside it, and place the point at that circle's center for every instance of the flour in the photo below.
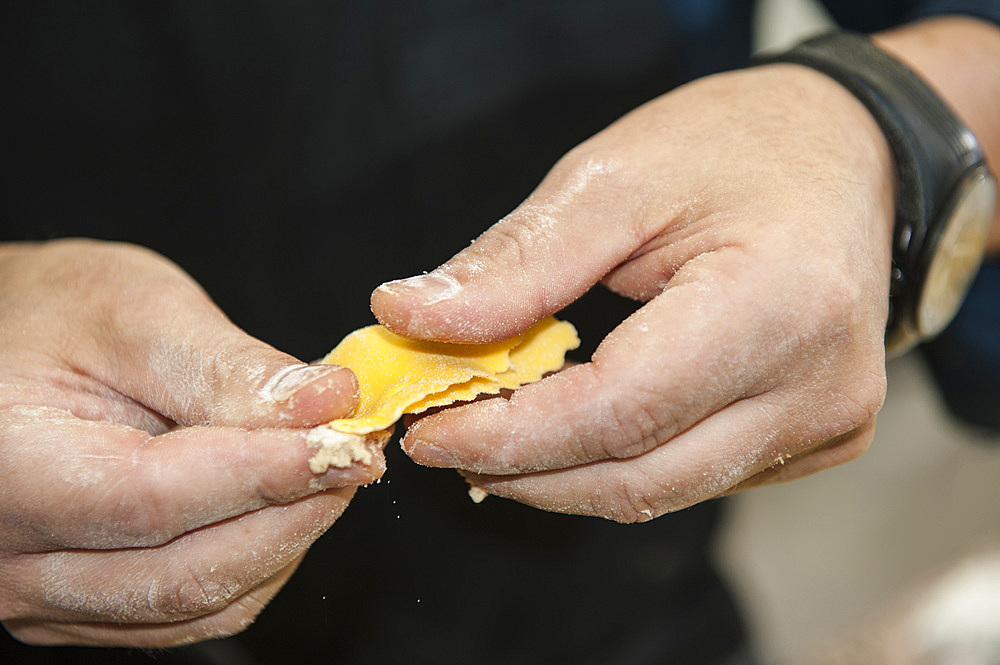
(477, 493)
(340, 449)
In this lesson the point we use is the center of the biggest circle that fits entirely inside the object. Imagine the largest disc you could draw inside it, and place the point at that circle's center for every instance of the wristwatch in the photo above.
(946, 198)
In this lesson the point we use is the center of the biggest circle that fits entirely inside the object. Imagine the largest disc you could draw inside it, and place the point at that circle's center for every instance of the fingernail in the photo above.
(430, 288)
(429, 454)
(289, 380)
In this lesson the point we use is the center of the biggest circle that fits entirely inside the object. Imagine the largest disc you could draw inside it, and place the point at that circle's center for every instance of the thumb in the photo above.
(164, 343)
(575, 228)
(211, 373)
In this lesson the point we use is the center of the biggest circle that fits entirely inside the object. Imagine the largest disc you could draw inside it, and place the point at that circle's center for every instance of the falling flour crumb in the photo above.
(477, 494)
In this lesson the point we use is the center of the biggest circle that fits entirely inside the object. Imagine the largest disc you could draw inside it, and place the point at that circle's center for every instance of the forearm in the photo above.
(960, 58)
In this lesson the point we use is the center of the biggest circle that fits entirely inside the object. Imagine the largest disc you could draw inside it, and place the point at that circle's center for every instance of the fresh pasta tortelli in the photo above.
(399, 375)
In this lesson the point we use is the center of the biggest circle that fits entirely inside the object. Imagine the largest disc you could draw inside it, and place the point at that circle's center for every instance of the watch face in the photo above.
(958, 252)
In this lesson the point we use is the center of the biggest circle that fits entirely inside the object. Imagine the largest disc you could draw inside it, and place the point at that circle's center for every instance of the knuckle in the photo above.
(236, 617)
(629, 504)
(138, 523)
(596, 166)
(512, 239)
(635, 426)
(858, 404)
(224, 370)
(637, 496)
(873, 392)
(190, 594)
(634, 431)
(844, 314)
(138, 513)
(601, 175)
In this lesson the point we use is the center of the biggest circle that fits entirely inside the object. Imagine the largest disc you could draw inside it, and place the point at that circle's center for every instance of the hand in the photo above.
(156, 487)
(752, 211)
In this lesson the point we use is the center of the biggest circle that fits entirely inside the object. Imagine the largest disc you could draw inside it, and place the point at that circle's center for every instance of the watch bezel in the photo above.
(976, 188)
(909, 298)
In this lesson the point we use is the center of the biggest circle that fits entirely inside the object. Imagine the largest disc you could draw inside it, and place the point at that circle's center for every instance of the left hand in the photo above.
(155, 480)
(752, 211)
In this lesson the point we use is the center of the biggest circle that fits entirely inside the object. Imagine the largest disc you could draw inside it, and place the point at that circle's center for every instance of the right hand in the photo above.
(156, 487)
(751, 212)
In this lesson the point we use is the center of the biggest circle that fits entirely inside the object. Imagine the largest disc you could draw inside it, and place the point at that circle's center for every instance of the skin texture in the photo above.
(156, 481)
(752, 212)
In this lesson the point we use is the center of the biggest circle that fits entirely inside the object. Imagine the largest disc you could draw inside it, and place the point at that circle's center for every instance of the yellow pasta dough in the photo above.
(399, 375)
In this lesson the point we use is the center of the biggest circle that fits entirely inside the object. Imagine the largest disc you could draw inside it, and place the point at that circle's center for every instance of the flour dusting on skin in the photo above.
(433, 287)
(179, 384)
(68, 448)
(126, 586)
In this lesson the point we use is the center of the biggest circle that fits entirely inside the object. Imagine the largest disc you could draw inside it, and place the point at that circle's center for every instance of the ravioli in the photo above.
(399, 375)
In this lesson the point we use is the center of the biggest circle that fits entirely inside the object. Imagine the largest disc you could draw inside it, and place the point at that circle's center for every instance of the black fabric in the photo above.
(867, 16)
(965, 359)
(292, 156)
(298, 141)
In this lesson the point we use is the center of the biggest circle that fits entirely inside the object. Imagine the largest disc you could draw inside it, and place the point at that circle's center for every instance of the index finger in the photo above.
(711, 338)
(97, 485)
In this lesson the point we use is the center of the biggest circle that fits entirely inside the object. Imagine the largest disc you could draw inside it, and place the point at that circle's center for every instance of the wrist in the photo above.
(946, 196)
